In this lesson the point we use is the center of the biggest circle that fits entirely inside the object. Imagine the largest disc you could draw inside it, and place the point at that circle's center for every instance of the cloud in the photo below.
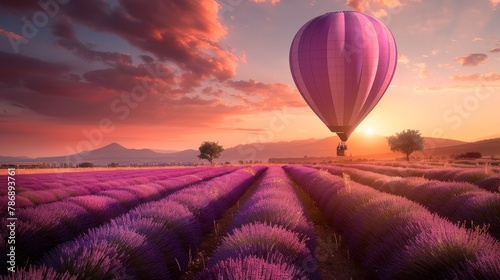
(437, 89)
(51, 90)
(269, 96)
(273, 2)
(381, 13)
(494, 3)
(358, 5)
(252, 130)
(421, 68)
(126, 77)
(68, 40)
(489, 77)
(378, 5)
(180, 40)
(60, 100)
(10, 34)
(403, 59)
(184, 32)
(211, 91)
(495, 50)
(18, 70)
(472, 59)
(477, 39)
(23, 73)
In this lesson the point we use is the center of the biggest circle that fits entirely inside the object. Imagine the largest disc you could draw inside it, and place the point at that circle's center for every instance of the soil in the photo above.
(332, 253)
(198, 262)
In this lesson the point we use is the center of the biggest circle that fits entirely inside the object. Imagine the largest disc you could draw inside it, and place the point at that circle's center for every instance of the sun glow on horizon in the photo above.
(369, 131)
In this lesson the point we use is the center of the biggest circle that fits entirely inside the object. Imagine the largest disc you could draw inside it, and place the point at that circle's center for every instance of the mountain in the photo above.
(164, 151)
(112, 153)
(359, 146)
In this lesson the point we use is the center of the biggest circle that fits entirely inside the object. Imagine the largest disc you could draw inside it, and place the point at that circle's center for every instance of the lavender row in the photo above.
(269, 238)
(405, 164)
(432, 165)
(59, 180)
(457, 201)
(92, 180)
(395, 238)
(43, 227)
(122, 190)
(152, 241)
(481, 177)
(32, 198)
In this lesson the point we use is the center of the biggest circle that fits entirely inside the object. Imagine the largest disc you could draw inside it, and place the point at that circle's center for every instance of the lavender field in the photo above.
(362, 221)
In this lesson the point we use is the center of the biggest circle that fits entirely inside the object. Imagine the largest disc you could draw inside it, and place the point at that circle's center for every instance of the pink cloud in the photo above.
(60, 100)
(421, 68)
(11, 35)
(183, 32)
(210, 91)
(403, 59)
(51, 90)
(448, 88)
(358, 5)
(381, 13)
(495, 50)
(489, 77)
(273, 2)
(378, 6)
(494, 3)
(472, 59)
(263, 97)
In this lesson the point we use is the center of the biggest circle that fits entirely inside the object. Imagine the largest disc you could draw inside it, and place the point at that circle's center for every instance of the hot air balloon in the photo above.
(342, 63)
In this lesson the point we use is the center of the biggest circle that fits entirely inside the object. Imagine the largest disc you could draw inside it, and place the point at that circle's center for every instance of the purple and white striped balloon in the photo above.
(342, 64)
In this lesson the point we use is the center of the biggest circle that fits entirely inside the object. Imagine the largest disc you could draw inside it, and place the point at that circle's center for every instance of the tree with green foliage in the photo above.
(210, 151)
(406, 142)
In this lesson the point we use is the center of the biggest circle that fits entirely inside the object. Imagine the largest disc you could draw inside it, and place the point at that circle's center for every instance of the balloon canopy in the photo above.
(342, 64)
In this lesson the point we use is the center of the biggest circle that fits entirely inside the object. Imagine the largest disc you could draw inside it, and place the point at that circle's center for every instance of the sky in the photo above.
(159, 74)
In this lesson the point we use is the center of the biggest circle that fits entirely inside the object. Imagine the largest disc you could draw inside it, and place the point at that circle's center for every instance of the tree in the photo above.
(210, 151)
(406, 142)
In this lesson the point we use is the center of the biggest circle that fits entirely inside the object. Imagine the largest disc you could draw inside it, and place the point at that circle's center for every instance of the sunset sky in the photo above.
(161, 74)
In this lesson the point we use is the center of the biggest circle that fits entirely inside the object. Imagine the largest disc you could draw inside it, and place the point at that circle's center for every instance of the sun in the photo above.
(369, 131)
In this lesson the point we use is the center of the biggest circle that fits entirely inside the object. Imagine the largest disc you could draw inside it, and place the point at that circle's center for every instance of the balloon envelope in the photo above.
(342, 63)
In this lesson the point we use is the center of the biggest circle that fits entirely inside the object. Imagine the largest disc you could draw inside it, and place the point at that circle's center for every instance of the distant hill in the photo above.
(490, 147)
(437, 147)
(112, 153)
(359, 146)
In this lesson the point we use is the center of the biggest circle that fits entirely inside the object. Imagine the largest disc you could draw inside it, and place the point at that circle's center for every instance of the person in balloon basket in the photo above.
(342, 146)
(341, 149)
